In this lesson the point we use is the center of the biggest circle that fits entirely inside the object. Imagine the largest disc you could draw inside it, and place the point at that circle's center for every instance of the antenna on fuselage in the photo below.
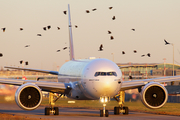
(71, 47)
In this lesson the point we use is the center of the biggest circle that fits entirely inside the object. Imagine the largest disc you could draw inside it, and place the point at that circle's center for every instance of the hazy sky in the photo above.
(153, 21)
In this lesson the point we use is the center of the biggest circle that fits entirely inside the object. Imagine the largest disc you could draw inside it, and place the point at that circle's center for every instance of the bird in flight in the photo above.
(4, 29)
(109, 32)
(135, 51)
(101, 48)
(64, 48)
(48, 26)
(58, 50)
(113, 18)
(166, 42)
(44, 28)
(21, 29)
(65, 12)
(87, 11)
(111, 37)
(142, 55)
(94, 9)
(149, 55)
(133, 29)
(110, 8)
(39, 35)
(123, 52)
(1, 54)
(27, 45)
(58, 28)
(76, 26)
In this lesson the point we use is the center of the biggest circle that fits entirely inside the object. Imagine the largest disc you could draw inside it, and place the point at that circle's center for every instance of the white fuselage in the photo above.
(91, 78)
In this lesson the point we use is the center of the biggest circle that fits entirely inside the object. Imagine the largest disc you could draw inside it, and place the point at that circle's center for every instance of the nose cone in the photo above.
(106, 87)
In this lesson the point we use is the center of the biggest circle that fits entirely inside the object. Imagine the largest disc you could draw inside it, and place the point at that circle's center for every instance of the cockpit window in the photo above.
(105, 74)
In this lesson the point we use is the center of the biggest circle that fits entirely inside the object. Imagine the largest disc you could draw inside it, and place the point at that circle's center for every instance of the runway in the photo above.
(80, 114)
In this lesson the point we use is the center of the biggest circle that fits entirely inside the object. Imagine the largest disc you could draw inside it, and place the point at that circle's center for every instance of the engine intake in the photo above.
(28, 96)
(154, 95)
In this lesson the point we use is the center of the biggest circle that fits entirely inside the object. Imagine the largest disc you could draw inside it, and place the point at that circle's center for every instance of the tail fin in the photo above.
(71, 47)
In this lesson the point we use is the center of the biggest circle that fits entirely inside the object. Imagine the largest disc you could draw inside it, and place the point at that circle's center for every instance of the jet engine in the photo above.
(28, 96)
(154, 95)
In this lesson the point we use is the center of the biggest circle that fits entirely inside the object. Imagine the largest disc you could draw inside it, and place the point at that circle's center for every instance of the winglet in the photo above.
(71, 47)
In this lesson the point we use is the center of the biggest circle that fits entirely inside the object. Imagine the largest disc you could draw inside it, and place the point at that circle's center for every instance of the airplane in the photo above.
(88, 79)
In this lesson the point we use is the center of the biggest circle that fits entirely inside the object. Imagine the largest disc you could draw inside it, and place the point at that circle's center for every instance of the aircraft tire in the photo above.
(116, 110)
(101, 113)
(56, 109)
(47, 111)
(106, 113)
(126, 110)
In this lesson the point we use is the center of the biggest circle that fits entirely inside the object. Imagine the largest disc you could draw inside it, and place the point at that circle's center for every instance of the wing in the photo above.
(35, 70)
(138, 83)
(56, 87)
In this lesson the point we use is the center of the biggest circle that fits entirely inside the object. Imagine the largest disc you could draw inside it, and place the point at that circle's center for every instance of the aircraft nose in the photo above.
(107, 87)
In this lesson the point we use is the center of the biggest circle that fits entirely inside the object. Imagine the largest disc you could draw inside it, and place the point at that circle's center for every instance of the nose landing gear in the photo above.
(104, 112)
(120, 99)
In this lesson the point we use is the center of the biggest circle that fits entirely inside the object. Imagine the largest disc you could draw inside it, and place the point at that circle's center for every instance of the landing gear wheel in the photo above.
(101, 113)
(47, 111)
(126, 111)
(106, 113)
(56, 111)
(116, 110)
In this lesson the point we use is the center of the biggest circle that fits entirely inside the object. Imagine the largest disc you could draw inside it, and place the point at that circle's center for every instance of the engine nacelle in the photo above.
(28, 96)
(154, 95)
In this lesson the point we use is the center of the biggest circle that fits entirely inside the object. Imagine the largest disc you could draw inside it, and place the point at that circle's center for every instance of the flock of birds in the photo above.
(101, 46)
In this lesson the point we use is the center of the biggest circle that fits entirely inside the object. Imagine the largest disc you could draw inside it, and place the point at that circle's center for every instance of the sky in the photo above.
(153, 21)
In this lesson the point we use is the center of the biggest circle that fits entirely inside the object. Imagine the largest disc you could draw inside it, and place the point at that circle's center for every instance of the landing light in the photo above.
(104, 99)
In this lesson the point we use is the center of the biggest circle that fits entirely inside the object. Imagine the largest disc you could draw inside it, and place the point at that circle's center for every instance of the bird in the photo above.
(149, 55)
(110, 8)
(64, 48)
(44, 28)
(21, 29)
(142, 55)
(1, 54)
(21, 61)
(133, 29)
(26, 63)
(58, 50)
(58, 28)
(166, 42)
(111, 37)
(48, 26)
(130, 77)
(87, 11)
(94, 9)
(4, 29)
(123, 52)
(39, 35)
(113, 18)
(101, 47)
(27, 45)
(65, 12)
(109, 32)
(135, 51)
(76, 26)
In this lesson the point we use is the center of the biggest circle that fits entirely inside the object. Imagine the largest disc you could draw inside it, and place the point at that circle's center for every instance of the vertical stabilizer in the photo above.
(71, 47)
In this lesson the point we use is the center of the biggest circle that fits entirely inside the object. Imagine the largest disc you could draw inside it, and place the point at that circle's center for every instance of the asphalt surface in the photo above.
(80, 114)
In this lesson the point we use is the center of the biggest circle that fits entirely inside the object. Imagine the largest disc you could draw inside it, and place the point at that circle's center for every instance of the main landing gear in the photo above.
(52, 110)
(120, 108)
(104, 112)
